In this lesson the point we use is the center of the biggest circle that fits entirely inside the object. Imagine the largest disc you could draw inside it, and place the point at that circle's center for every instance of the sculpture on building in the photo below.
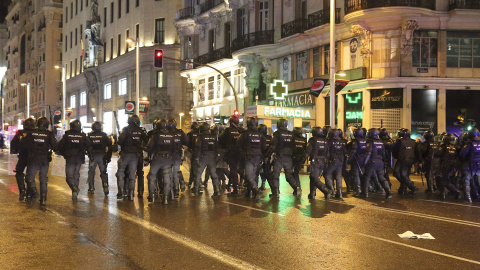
(92, 32)
(365, 40)
(407, 28)
(91, 78)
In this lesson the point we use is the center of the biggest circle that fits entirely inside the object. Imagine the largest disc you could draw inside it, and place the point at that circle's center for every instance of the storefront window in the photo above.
(302, 71)
(424, 52)
(463, 49)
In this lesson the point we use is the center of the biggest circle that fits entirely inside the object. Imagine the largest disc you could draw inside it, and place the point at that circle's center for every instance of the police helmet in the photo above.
(298, 131)
(373, 133)
(76, 125)
(161, 124)
(326, 130)
(358, 133)
(401, 133)
(43, 122)
(234, 120)
(428, 135)
(383, 133)
(340, 133)
(204, 127)
(29, 123)
(317, 132)
(194, 126)
(134, 120)
(172, 124)
(406, 133)
(282, 123)
(252, 122)
(448, 138)
(97, 126)
(333, 133)
(473, 133)
(263, 129)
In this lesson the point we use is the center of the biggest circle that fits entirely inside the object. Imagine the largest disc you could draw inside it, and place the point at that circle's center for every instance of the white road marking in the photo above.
(451, 203)
(253, 208)
(419, 248)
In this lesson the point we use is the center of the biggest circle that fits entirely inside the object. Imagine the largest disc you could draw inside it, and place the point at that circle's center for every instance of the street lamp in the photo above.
(28, 98)
(64, 89)
(332, 63)
(181, 114)
(137, 75)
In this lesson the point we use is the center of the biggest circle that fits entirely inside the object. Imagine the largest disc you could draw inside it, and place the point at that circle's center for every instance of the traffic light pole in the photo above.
(137, 78)
(205, 65)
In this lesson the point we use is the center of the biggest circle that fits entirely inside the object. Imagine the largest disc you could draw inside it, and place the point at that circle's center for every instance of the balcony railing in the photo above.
(225, 52)
(356, 5)
(252, 39)
(186, 13)
(464, 4)
(209, 4)
(322, 17)
(294, 27)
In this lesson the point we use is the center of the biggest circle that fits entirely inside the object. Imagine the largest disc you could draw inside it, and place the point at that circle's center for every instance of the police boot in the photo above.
(91, 188)
(175, 192)
(182, 184)
(22, 194)
(256, 194)
(32, 195)
(216, 191)
(468, 197)
(248, 194)
(413, 189)
(298, 192)
(388, 192)
(430, 188)
(75, 191)
(151, 195)
(130, 195)
(338, 195)
(313, 193)
(275, 192)
(443, 193)
(165, 198)
(43, 199)
(262, 187)
(105, 187)
(120, 193)
(140, 192)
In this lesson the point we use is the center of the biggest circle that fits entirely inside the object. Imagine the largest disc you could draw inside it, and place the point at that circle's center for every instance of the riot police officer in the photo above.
(179, 140)
(206, 154)
(318, 151)
(299, 155)
(131, 140)
(39, 143)
(192, 138)
(266, 170)
(427, 154)
(375, 163)
(356, 158)
(448, 166)
(405, 152)
(283, 145)
(252, 143)
(28, 126)
(388, 144)
(471, 153)
(101, 156)
(73, 146)
(161, 148)
(228, 140)
(337, 152)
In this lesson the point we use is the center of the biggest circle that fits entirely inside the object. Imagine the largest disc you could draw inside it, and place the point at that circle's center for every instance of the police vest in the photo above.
(268, 140)
(209, 144)
(407, 150)
(300, 143)
(232, 137)
(336, 149)
(378, 148)
(285, 142)
(133, 141)
(319, 150)
(450, 156)
(99, 143)
(75, 144)
(192, 137)
(361, 148)
(253, 143)
(39, 143)
(177, 141)
(163, 143)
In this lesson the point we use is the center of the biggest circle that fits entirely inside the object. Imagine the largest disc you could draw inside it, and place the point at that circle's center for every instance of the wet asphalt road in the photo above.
(99, 232)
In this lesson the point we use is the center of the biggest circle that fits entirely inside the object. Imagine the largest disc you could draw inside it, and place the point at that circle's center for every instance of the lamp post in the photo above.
(332, 63)
(64, 90)
(137, 73)
(181, 114)
(28, 98)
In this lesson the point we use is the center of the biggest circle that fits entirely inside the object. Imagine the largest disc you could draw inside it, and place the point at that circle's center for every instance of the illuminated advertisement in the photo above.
(353, 103)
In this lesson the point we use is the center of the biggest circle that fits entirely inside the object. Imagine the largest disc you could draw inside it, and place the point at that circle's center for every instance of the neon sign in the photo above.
(278, 89)
(286, 112)
(354, 115)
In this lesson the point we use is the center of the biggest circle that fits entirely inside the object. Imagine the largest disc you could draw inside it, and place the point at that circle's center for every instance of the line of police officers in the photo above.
(249, 153)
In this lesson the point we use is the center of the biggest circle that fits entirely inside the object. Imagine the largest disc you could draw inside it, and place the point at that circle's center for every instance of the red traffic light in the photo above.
(158, 59)
(236, 113)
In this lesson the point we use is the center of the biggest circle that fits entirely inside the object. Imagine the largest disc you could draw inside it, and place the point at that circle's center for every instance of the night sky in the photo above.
(3, 9)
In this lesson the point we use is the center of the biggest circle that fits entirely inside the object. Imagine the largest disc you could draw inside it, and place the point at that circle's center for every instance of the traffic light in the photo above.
(236, 113)
(158, 59)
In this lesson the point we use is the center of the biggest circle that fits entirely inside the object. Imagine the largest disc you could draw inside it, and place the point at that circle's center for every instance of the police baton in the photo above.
(358, 165)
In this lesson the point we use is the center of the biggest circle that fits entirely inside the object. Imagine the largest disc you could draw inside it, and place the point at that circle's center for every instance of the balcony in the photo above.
(462, 4)
(294, 27)
(253, 39)
(356, 5)
(185, 13)
(209, 4)
(215, 55)
(322, 17)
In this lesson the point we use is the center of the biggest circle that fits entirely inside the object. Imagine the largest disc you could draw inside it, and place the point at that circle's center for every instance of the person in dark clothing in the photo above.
(228, 140)
(337, 151)
(73, 146)
(374, 163)
(39, 143)
(206, 152)
(299, 155)
(132, 141)
(266, 168)
(427, 154)
(471, 169)
(318, 151)
(28, 126)
(192, 138)
(448, 165)
(101, 156)
(404, 150)
(356, 159)
(179, 140)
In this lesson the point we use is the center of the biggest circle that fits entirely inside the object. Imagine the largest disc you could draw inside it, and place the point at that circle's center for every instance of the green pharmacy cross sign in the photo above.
(278, 89)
